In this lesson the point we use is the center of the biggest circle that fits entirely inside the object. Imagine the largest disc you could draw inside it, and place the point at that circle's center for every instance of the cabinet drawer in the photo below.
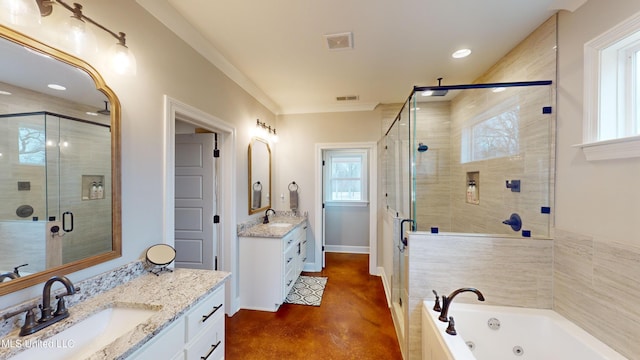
(303, 250)
(291, 259)
(299, 232)
(168, 341)
(209, 344)
(207, 312)
(287, 241)
(289, 280)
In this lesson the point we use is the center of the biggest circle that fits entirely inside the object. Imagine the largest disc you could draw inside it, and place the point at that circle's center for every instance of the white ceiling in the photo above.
(34, 71)
(276, 49)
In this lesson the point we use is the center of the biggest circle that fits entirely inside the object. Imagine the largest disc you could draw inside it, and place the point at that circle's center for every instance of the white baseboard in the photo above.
(347, 249)
(385, 284)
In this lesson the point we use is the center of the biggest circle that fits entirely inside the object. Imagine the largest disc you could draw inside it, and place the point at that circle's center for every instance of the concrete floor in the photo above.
(353, 321)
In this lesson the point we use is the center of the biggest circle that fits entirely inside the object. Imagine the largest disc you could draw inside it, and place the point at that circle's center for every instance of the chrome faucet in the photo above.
(266, 215)
(446, 301)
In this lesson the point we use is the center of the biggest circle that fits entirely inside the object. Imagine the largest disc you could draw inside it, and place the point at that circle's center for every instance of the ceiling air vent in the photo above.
(347, 98)
(340, 41)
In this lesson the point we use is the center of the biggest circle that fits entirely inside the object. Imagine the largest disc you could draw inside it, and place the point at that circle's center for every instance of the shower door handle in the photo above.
(403, 239)
(67, 225)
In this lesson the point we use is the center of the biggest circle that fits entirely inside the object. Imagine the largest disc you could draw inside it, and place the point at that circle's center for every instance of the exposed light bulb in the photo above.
(78, 38)
(20, 12)
(121, 60)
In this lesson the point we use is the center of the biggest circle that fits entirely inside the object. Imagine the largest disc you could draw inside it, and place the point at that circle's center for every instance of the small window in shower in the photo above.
(31, 146)
(492, 134)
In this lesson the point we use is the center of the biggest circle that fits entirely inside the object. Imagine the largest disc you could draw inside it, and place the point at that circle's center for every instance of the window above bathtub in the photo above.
(612, 93)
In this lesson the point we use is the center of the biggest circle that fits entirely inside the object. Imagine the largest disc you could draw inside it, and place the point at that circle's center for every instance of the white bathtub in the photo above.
(523, 334)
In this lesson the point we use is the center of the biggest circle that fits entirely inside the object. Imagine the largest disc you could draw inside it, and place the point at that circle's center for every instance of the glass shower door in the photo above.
(78, 186)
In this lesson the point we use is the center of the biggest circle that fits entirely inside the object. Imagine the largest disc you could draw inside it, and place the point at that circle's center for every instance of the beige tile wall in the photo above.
(596, 284)
(508, 271)
(441, 183)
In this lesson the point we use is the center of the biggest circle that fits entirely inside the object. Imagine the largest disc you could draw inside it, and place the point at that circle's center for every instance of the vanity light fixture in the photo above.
(78, 36)
(264, 130)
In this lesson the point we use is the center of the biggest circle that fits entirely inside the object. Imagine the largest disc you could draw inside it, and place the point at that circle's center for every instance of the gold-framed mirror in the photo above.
(54, 145)
(259, 175)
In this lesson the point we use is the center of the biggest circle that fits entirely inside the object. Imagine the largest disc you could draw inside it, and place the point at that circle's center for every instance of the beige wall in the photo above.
(597, 247)
(296, 157)
(166, 65)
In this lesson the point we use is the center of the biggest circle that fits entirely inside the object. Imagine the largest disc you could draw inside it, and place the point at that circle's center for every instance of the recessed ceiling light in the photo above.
(57, 87)
(499, 89)
(461, 53)
(37, 53)
(2, 92)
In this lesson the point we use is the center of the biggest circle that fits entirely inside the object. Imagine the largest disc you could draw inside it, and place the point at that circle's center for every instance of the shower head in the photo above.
(422, 147)
(436, 92)
(106, 110)
(439, 92)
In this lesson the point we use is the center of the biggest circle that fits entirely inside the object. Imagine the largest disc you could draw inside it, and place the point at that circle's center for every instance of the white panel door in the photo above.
(195, 235)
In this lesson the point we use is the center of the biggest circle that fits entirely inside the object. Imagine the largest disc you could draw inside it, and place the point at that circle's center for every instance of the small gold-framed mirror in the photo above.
(259, 175)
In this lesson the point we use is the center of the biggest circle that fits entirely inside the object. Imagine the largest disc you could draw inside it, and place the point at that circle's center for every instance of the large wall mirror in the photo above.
(59, 164)
(259, 175)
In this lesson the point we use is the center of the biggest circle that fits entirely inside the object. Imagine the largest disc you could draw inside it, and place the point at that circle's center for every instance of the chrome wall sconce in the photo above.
(77, 37)
(266, 131)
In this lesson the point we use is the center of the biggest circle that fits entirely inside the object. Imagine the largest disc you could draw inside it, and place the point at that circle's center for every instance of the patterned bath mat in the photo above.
(307, 290)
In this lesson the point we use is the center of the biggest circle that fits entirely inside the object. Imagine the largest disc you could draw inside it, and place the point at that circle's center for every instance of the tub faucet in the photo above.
(266, 215)
(446, 301)
(8, 275)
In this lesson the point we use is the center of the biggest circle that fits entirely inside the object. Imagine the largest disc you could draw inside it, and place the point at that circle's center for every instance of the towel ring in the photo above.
(257, 186)
(295, 186)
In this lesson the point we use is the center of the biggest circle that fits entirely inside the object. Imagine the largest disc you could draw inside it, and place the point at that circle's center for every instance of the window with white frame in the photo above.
(612, 93)
(346, 176)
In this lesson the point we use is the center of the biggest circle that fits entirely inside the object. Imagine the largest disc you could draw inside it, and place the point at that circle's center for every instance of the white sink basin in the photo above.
(87, 336)
(279, 224)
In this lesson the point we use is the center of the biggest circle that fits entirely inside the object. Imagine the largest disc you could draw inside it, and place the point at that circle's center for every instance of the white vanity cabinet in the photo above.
(269, 266)
(198, 334)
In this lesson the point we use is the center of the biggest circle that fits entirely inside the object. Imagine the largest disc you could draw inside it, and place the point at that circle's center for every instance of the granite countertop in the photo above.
(274, 228)
(171, 294)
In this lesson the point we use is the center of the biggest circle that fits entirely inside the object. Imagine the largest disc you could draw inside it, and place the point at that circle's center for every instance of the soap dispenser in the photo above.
(100, 191)
(94, 191)
(474, 192)
(470, 192)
